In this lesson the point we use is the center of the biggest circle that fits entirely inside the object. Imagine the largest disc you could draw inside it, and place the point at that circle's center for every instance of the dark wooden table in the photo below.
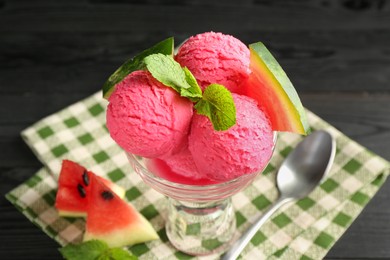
(53, 53)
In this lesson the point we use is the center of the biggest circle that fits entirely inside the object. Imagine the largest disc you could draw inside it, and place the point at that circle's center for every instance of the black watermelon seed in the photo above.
(81, 190)
(107, 195)
(85, 178)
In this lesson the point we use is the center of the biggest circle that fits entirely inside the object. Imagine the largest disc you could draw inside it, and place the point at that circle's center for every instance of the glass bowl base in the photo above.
(200, 228)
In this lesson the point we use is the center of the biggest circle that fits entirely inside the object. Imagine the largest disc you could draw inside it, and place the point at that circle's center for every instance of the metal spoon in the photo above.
(300, 173)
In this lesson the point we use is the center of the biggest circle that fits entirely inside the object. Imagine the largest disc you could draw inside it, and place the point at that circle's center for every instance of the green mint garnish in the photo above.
(218, 105)
(169, 72)
(216, 102)
(136, 63)
(195, 90)
(95, 249)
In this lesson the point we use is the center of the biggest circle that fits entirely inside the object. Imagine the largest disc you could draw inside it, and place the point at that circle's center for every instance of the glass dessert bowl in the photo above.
(200, 218)
(209, 112)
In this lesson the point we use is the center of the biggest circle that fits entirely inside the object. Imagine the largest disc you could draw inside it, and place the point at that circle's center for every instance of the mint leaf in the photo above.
(218, 105)
(87, 250)
(95, 250)
(169, 72)
(166, 70)
(136, 63)
(195, 90)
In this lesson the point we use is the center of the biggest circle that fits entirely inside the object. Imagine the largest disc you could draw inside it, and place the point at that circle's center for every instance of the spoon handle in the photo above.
(240, 244)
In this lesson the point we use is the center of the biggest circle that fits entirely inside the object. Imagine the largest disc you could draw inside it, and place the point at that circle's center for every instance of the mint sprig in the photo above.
(218, 105)
(136, 63)
(169, 72)
(216, 102)
(95, 250)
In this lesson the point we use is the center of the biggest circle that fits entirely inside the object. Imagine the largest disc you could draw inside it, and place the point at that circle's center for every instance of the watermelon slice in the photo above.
(73, 187)
(269, 85)
(112, 220)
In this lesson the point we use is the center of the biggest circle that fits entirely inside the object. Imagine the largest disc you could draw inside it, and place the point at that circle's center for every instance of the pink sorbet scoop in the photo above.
(216, 58)
(147, 118)
(244, 148)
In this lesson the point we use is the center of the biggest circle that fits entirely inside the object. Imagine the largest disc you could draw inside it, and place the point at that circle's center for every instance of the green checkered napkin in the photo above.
(306, 229)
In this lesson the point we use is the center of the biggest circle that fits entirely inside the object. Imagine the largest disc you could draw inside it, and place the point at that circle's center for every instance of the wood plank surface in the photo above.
(54, 53)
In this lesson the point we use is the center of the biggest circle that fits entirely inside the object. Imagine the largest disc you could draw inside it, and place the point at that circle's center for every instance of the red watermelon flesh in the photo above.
(73, 187)
(69, 203)
(71, 174)
(114, 221)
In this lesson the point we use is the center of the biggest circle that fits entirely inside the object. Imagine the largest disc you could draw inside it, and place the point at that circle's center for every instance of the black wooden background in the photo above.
(53, 53)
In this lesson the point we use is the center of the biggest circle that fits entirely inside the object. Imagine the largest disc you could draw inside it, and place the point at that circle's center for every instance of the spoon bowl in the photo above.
(306, 166)
(300, 173)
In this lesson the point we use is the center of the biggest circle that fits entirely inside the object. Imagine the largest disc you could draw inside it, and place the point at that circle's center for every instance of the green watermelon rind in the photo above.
(136, 63)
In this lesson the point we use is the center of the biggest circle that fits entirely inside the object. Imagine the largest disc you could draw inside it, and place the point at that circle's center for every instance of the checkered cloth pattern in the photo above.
(306, 229)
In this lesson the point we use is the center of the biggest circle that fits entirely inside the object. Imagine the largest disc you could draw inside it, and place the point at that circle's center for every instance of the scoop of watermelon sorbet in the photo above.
(215, 58)
(147, 118)
(179, 167)
(242, 149)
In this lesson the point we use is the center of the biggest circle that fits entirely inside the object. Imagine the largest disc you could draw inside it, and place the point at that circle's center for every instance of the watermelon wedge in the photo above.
(114, 221)
(73, 188)
(269, 85)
